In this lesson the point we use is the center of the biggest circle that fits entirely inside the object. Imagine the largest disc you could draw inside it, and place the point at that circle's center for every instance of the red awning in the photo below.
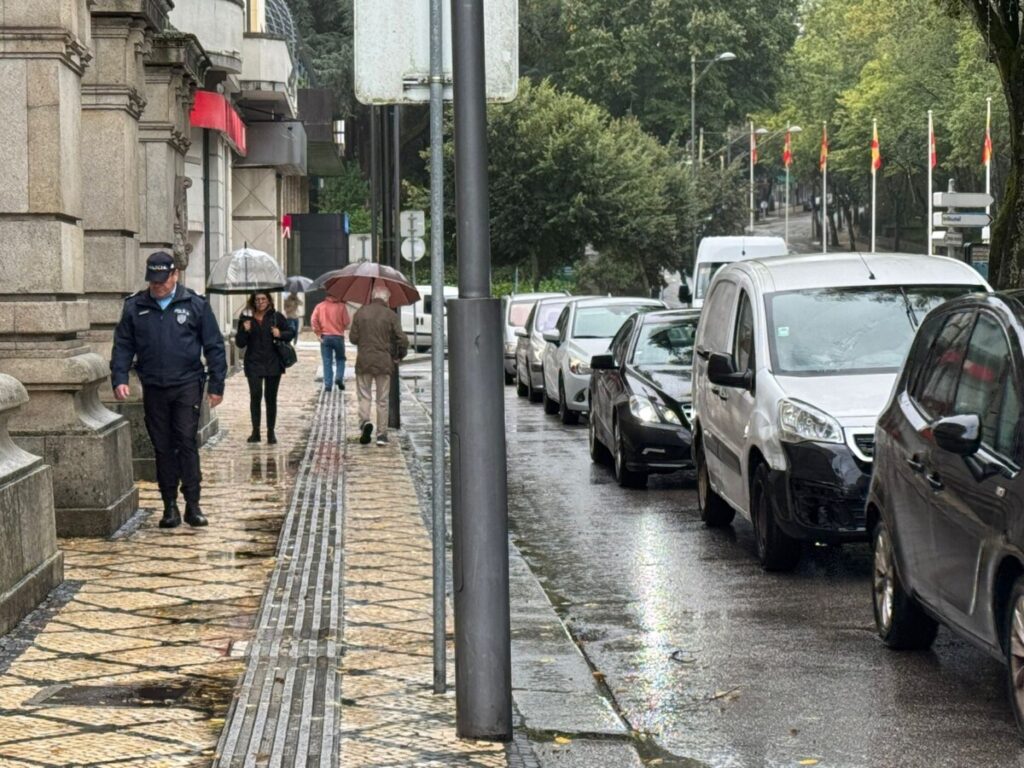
(211, 110)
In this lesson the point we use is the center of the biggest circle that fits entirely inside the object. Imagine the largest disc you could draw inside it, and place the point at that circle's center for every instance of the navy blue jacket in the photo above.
(168, 345)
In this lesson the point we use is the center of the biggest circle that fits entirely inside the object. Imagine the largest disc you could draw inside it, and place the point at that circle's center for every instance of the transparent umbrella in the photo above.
(244, 271)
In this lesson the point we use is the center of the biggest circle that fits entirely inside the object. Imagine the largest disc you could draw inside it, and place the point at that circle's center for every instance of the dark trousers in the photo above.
(172, 420)
(260, 387)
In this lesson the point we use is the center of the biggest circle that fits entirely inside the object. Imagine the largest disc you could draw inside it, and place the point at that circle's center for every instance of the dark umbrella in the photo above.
(298, 284)
(244, 271)
(355, 283)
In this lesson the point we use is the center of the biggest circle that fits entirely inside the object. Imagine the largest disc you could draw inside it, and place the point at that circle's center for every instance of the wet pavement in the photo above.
(712, 661)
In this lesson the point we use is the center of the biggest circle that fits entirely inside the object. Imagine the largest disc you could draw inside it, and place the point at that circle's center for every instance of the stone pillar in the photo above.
(43, 53)
(112, 103)
(30, 563)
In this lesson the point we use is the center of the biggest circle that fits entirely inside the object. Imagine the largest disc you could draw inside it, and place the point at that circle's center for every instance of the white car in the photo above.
(584, 329)
(516, 309)
(795, 359)
(713, 253)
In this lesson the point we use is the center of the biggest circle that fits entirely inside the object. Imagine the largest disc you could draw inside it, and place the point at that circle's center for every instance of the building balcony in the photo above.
(219, 25)
(268, 82)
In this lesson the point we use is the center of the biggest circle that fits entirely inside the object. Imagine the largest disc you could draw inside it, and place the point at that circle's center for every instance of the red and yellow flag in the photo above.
(823, 158)
(986, 153)
(787, 151)
(933, 155)
(876, 154)
(753, 148)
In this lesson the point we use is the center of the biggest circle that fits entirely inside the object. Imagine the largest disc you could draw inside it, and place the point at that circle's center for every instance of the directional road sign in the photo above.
(958, 219)
(962, 199)
(412, 223)
(948, 237)
(413, 249)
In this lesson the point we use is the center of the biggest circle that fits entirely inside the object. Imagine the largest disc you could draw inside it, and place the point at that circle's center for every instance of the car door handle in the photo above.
(935, 482)
(720, 392)
(914, 464)
(703, 353)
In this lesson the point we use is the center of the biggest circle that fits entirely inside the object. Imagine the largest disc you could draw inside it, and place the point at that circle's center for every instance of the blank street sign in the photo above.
(413, 249)
(360, 248)
(391, 42)
(961, 199)
(412, 223)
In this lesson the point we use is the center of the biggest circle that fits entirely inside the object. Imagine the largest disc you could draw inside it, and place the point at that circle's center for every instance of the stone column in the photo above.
(43, 53)
(30, 563)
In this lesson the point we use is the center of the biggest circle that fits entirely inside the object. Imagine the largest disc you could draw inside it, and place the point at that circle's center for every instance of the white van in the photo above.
(716, 252)
(417, 318)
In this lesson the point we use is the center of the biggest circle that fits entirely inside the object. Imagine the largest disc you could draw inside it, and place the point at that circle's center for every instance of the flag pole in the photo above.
(752, 176)
(874, 185)
(824, 190)
(787, 204)
(988, 160)
(931, 135)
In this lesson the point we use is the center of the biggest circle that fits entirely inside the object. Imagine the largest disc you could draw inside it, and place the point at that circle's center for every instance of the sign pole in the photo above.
(787, 204)
(437, 422)
(824, 196)
(874, 192)
(483, 659)
(931, 247)
(395, 395)
(988, 158)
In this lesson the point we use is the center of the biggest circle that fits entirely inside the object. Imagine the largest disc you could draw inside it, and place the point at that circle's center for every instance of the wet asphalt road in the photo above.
(718, 661)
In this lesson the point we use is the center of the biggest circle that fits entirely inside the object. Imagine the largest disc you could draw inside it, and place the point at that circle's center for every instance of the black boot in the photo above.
(194, 515)
(271, 437)
(254, 437)
(172, 515)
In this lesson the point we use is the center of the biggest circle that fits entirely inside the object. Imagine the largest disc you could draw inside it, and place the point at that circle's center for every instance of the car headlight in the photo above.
(670, 416)
(579, 367)
(643, 409)
(799, 421)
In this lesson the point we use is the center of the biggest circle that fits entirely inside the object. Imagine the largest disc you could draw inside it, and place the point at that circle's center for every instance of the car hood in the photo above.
(673, 382)
(852, 399)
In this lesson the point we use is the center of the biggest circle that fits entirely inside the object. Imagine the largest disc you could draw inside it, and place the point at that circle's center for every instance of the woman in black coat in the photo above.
(259, 327)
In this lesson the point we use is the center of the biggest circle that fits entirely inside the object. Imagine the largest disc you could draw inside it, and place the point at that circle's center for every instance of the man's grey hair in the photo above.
(381, 291)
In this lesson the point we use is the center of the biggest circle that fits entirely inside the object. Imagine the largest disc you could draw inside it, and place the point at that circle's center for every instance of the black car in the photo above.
(947, 493)
(640, 396)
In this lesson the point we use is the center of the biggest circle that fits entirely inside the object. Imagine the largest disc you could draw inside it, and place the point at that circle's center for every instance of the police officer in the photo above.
(166, 330)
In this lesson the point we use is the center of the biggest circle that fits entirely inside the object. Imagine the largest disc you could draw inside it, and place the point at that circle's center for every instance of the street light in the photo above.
(694, 79)
(767, 137)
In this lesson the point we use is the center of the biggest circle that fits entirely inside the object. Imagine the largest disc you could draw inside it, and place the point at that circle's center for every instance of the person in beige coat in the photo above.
(380, 342)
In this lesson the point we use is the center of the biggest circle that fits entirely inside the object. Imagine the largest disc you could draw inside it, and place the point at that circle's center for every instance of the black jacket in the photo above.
(260, 356)
(168, 346)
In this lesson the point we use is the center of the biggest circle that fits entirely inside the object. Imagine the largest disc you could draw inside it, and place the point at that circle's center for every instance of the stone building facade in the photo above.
(105, 158)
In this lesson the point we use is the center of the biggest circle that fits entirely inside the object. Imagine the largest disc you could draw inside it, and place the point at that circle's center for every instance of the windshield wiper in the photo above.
(911, 315)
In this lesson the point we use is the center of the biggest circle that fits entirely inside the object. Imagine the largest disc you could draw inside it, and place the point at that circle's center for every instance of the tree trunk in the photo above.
(848, 212)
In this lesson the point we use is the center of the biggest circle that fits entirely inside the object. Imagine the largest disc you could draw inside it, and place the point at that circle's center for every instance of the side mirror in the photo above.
(521, 333)
(722, 371)
(603, 363)
(685, 297)
(553, 336)
(960, 435)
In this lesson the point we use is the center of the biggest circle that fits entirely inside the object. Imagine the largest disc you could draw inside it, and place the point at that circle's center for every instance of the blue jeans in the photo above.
(293, 323)
(332, 348)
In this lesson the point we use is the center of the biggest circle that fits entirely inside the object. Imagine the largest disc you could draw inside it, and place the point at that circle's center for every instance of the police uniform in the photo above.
(167, 345)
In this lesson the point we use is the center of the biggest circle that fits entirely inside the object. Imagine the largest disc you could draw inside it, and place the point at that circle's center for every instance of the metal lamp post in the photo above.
(694, 79)
(791, 129)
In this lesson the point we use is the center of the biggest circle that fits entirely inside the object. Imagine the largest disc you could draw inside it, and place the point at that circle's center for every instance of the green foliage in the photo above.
(326, 30)
(349, 193)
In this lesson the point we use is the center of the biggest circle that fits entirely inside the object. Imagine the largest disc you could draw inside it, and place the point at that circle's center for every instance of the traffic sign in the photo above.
(391, 42)
(958, 219)
(360, 248)
(962, 199)
(948, 237)
(412, 223)
(413, 249)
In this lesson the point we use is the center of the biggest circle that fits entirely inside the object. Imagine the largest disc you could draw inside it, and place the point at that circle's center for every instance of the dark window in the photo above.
(563, 320)
(987, 386)
(743, 341)
(716, 319)
(529, 320)
(917, 359)
(621, 341)
(936, 388)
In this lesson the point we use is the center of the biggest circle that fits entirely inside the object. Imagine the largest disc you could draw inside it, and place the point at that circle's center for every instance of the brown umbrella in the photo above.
(355, 283)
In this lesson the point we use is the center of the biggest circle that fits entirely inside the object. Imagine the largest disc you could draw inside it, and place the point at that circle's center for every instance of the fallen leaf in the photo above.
(562, 740)
(809, 761)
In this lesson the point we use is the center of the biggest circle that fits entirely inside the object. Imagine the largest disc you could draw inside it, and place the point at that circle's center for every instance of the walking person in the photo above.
(259, 328)
(292, 311)
(167, 331)
(330, 320)
(380, 343)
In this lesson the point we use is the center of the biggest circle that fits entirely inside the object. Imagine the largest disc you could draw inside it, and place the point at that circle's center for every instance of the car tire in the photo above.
(535, 395)
(550, 406)
(521, 389)
(567, 415)
(599, 454)
(509, 378)
(1013, 645)
(626, 477)
(715, 511)
(901, 622)
(775, 550)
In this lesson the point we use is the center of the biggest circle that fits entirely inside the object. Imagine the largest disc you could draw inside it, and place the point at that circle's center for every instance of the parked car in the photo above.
(584, 328)
(515, 309)
(795, 359)
(947, 493)
(640, 396)
(715, 252)
(417, 318)
(530, 347)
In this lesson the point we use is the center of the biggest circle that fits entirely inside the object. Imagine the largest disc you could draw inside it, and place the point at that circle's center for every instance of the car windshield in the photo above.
(826, 331)
(547, 315)
(603, 322)
(702, 279)
(518, 313)
(667, 344)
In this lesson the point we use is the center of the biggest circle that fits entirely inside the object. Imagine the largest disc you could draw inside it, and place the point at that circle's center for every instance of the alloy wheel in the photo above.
(1017, 652)
(884, 583)
(619, 460)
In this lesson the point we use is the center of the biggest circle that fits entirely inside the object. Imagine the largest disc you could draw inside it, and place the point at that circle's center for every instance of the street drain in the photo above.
(109, 696)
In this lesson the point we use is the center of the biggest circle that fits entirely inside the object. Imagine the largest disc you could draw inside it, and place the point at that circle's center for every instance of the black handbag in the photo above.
(285, 353)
